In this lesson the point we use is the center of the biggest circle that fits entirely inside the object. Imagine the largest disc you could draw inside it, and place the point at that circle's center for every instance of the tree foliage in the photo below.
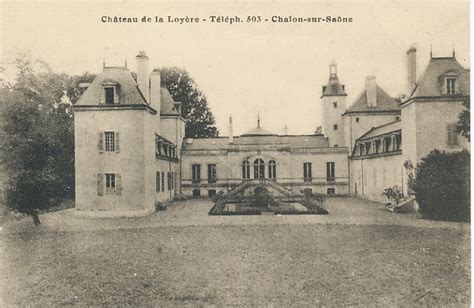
(37, 147)
(73, 87)
(464, 123)
(442, 186)
(200, 121)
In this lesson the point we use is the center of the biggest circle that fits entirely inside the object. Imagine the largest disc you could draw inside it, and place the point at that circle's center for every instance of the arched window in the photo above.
(272, 168)
(245, 169)
(259, 169)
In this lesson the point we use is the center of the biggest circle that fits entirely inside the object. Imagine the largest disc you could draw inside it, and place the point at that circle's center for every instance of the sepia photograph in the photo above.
(235, 153)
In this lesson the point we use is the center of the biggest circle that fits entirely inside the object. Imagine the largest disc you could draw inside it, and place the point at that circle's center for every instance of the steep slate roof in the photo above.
(430, 82)
(382, 130)
(384, 103)
(334, 87)
(293, 142)
(128, 92)
(167, 103)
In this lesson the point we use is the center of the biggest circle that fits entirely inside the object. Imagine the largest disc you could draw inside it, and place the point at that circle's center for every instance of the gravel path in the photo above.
(342, 210)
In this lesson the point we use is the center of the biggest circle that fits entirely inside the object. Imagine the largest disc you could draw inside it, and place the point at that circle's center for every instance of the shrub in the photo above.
(394, 194)
(442, 186)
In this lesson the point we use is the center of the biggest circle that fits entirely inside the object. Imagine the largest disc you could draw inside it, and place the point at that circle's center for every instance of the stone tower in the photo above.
(333, 101)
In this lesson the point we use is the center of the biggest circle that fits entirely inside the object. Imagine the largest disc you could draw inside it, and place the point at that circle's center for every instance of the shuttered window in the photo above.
(109, 183)
(109, 142)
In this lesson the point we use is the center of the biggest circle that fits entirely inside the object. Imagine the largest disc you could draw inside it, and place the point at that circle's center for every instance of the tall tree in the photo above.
(75, 86)
(464, 123)
(38, 143)
(200, 121)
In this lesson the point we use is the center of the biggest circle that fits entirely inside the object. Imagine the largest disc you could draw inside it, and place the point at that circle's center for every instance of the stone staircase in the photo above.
(247, 188)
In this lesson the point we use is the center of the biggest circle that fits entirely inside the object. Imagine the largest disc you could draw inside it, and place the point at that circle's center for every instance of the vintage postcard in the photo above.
(234, 153)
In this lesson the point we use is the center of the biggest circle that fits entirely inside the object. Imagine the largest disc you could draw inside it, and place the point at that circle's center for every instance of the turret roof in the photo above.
(334, 87)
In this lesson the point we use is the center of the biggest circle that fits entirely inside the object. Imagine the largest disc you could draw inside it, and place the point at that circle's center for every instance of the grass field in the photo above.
(284, 265)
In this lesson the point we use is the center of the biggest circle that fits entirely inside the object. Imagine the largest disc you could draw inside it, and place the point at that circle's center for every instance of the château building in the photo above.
(131, 152)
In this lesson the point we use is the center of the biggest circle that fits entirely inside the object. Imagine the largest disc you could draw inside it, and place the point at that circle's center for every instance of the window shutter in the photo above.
(118, 184)
(100, 144)
(117, 142)
(100, 184)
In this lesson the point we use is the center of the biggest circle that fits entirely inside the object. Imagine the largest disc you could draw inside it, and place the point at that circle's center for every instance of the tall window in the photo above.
(453, 139)
(451, 85)
(330, 171)
(377, 146)
(387, 141)
(211, 173)
(109, 95)
(307, 172)
(272, 169)
(158, 189)
(196, 170)
(168, 177)
(398, 142)
(245, 169)
(259, 169)
(162, 181)
(109, 141)
(335, 104)
(335, 126)
(110, 183)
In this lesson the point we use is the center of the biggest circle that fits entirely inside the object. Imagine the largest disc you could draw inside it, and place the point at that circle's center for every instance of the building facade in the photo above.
(128, 136)
(299, 163)
(131, 152)
(426, 119)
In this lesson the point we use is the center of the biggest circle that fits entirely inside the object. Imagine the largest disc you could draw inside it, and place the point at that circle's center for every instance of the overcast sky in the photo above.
(276, 69)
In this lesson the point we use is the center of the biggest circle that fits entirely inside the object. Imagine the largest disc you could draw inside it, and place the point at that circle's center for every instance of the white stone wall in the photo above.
(289, 170)
(129, 162)
(333, 116)
(370, 176)
(431, 123)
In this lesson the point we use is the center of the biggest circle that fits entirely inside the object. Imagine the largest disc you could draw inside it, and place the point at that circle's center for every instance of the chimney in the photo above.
(371, 91)
(142, 75)
(411, 61)
(285, 130)
(155, 91)
(231, 131)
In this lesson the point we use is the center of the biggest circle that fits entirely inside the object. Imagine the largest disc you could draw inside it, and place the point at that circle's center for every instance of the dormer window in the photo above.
(109, 95)
(451, 85)
(111, 90)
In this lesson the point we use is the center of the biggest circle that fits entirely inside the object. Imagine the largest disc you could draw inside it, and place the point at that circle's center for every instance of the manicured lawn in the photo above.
(299, 264)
